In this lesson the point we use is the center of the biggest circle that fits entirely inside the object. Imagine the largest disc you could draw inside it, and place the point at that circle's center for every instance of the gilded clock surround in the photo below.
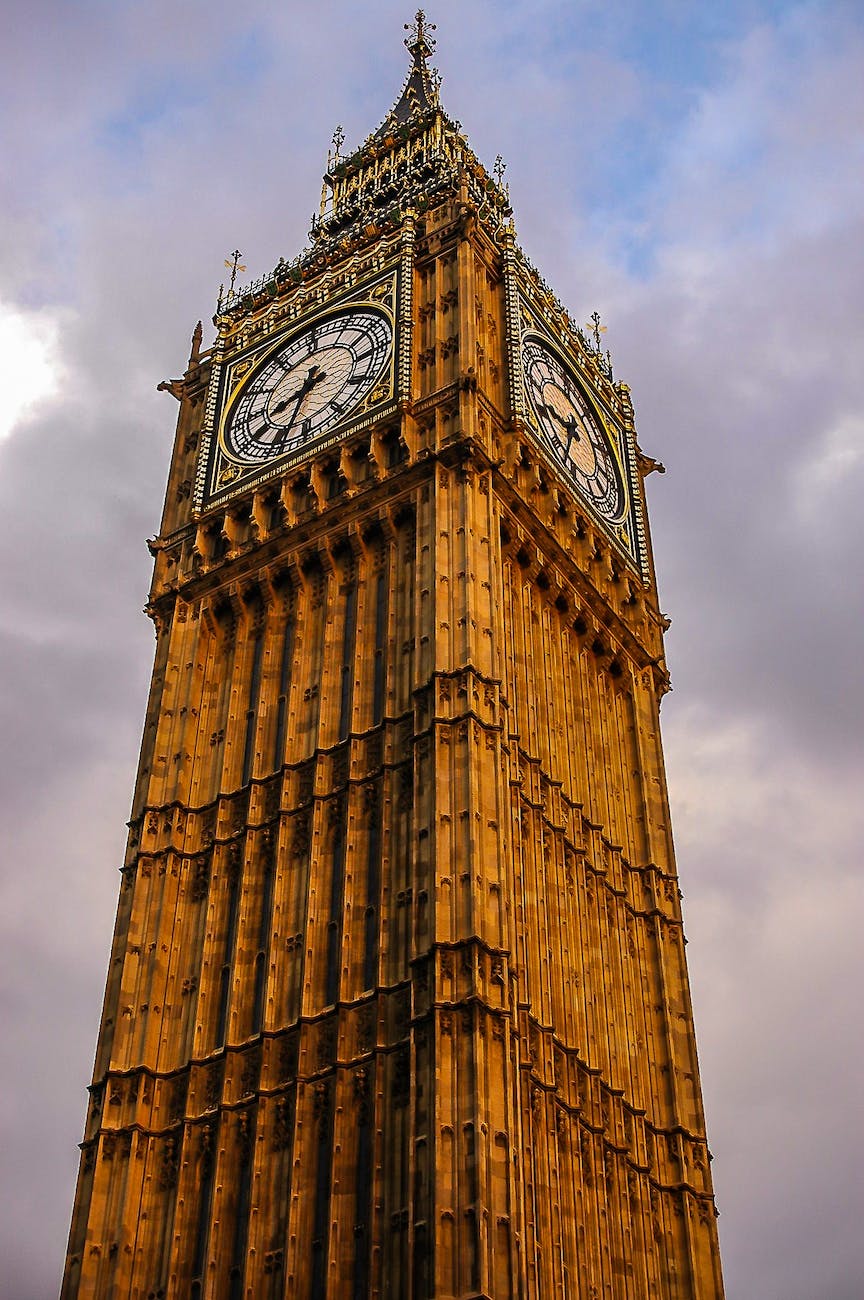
(223, 471)
(620, 515)
(286, 405)
(397, 1002)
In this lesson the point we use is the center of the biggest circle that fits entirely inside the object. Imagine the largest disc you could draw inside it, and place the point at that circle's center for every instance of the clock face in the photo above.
(317, 379)
(571, 430)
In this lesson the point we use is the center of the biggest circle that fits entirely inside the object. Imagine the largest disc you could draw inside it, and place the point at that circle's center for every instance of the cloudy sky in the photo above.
(694, 172)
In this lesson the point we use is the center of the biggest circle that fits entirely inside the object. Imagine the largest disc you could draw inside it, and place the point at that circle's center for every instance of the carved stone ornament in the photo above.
(321, 1101)
(170, 1163)
(283, 1123)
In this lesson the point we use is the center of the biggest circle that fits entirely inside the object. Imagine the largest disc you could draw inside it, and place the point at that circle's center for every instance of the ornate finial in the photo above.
(234, 266)
(596, 329)
(337, 143)
(419, 41)
(499, 169)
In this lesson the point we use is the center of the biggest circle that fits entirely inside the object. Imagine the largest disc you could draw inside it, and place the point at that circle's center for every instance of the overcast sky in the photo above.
(694, 172)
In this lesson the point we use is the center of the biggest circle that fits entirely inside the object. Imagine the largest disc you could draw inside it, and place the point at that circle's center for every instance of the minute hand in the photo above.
(316, 374)
(570, 426)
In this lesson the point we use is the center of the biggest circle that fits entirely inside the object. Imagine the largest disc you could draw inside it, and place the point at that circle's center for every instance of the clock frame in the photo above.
(271, 401)
(598, 466)
(572, 430)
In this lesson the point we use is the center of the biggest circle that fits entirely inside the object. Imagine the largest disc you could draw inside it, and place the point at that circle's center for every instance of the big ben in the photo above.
(397, 1003)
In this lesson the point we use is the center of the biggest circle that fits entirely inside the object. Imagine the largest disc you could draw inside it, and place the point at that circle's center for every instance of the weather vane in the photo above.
(418, 37)
(596, 328)
(234, 266)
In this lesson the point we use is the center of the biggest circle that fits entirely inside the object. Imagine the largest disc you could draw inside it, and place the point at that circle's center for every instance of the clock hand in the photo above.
(279, 443)
(572, 430)
(284, 429)
(570, 425)
(316, 374)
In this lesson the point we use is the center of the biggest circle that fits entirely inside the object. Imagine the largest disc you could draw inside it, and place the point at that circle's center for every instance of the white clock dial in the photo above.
(317, 379)
(571, 430)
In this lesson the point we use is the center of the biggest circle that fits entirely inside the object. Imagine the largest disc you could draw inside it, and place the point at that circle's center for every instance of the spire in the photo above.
(417, 158)
(420, 92)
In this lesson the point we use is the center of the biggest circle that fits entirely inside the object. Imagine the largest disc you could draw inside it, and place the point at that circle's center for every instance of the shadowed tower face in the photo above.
(397, 1003)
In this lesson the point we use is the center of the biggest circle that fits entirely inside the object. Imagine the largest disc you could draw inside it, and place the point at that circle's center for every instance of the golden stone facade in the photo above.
(397, 1003)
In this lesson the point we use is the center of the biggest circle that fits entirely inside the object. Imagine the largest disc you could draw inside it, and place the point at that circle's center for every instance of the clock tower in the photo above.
(397, 1002)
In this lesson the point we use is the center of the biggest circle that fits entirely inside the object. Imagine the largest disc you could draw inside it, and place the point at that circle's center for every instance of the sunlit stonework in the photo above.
(397, 1004)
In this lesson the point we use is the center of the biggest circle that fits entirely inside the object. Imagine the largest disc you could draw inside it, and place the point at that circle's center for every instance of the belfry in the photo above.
(397, 1003)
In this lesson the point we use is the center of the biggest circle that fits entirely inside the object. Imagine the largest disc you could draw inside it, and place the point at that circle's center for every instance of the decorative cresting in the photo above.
(397, 1003)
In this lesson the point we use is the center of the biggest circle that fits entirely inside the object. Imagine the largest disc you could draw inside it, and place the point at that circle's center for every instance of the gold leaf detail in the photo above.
(378, 394)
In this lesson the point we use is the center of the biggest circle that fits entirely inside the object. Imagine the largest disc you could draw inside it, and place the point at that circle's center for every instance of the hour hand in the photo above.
(553, 411)
(315, 375)
(570, 425)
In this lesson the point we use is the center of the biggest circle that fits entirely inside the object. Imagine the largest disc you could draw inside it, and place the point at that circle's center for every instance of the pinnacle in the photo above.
(420, 91)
